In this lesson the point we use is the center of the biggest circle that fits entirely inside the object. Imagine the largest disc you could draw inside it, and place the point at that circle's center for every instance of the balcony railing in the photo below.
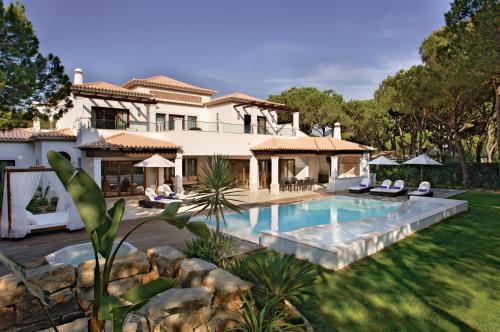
(190, 125)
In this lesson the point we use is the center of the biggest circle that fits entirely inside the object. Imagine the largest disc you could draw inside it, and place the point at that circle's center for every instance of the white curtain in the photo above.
(22, 188)
(64, 202)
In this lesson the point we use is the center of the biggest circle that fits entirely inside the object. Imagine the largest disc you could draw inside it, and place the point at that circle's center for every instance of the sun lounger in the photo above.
(363, 187)
(424, 190)
(386, 184)
(156, 201)
(397, 189)
(385, 189)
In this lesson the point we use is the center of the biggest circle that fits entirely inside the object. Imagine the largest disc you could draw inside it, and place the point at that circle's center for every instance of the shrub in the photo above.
(206, 249)
(275, 275)
(447, 176)
(265, 319)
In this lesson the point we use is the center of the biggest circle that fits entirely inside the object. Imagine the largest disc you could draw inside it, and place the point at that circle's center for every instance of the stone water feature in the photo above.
(205, 294)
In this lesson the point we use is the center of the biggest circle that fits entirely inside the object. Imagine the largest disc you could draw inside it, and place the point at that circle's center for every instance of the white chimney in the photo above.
(78, 78)
(337, 132)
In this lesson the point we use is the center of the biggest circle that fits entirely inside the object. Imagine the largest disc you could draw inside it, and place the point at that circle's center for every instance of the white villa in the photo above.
(110, 128)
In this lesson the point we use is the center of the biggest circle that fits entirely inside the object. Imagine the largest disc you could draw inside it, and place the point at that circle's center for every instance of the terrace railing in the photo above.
(190, 125)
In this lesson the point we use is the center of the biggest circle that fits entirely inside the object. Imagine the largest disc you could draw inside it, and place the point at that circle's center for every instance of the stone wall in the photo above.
(206, 297)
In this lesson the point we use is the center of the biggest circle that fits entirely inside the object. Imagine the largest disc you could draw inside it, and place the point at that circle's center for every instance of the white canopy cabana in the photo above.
(158, 162)
(422, 160)
(20, 185)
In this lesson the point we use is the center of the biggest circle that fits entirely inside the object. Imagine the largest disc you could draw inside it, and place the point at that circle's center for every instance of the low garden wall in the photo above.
(446, 176)
(205, 295)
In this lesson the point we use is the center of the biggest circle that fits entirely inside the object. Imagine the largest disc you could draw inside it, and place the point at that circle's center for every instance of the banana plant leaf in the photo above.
(106, 232)
(20, 272)
(119, 307)
(85, 193)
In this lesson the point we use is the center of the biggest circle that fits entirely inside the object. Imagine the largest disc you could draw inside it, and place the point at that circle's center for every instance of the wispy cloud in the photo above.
(352, 81)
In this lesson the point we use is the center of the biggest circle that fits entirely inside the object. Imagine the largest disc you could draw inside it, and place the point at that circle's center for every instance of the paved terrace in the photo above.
(32, 249)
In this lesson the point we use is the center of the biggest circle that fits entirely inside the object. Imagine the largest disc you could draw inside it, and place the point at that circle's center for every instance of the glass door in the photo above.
(264, 174)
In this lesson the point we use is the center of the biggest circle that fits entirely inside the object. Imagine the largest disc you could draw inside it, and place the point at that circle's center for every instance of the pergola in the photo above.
(309, 147)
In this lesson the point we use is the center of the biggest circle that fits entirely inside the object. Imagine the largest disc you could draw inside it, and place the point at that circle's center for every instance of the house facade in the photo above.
(110, 128)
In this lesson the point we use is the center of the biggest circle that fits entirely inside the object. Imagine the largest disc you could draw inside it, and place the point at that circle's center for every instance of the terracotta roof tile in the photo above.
(104, 87)
(55, 134)
(309, 144)
(128, 141)
(167, 82)
(238, 97)
(30, 134)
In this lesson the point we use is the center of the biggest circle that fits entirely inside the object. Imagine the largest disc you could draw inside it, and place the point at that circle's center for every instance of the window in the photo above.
(5, 163)
(189, 167)
(261, 125)
(109, 118)
(65, 155)
(160, 122)
(171, 121)
(191, 122)
(247, 122)
(121, 178)
(286, 168)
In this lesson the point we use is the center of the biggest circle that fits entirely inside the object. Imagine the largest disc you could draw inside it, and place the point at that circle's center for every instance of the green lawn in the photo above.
(444, 278)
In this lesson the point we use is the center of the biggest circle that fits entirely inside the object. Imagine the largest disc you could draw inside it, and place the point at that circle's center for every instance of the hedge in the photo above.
(446, 176)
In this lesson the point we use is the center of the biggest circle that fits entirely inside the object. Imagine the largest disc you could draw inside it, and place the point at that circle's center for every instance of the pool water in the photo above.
(290, 217)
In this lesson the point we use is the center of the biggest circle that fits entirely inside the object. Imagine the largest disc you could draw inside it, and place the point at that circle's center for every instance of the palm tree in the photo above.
(217, 196)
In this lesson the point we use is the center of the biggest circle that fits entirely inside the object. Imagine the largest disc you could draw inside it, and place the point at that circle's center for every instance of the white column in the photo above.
(334, 167)
(337, 131)
(96, 171)
(161, 176)
(178, 173)
(253, 176)
(295, 123)
(275, 186)
(275, 222)
(253, 216)
(364, 169)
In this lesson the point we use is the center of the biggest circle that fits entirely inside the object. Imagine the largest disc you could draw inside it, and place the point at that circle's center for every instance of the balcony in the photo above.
(194, 126)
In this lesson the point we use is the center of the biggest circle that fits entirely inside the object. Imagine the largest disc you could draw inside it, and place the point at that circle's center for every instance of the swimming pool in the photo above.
(294, 216)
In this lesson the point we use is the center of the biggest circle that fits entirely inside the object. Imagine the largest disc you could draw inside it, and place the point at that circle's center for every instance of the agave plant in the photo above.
(275, 275)
(217, 196)
(265, 319)
(102, 226)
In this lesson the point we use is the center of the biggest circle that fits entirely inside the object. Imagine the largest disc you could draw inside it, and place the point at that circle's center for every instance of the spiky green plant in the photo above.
(219, 189)
(102, 226)
(205, 249)
(265, 319)
(275, 275)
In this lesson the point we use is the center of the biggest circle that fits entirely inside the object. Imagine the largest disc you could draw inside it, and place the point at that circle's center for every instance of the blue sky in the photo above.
(257, 47)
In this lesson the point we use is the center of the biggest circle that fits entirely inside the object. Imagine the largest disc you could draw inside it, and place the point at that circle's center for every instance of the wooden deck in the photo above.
(32, 249)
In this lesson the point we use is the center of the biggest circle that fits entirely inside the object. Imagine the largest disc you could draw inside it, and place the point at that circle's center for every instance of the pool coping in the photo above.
(338, 256)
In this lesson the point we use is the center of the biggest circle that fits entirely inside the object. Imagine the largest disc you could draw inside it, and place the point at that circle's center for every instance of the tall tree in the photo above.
(477, 24)
(31, 85)
(319, 110)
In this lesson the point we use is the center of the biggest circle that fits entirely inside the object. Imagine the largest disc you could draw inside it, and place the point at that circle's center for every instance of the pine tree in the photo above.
(31, 85)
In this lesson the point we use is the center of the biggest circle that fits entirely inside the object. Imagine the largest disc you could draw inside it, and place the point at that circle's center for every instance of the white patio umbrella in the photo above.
(422, 160)
(382, 161)
(155, 161)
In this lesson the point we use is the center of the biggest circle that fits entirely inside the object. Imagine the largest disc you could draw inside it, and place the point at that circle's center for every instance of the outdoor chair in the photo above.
(293, 184)
(379, 190)
(424, 190)
(283, 184)
(300, 185)
(363, 187)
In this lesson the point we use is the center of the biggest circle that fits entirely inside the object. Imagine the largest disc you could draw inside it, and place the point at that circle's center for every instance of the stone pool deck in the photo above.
(336, 245)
